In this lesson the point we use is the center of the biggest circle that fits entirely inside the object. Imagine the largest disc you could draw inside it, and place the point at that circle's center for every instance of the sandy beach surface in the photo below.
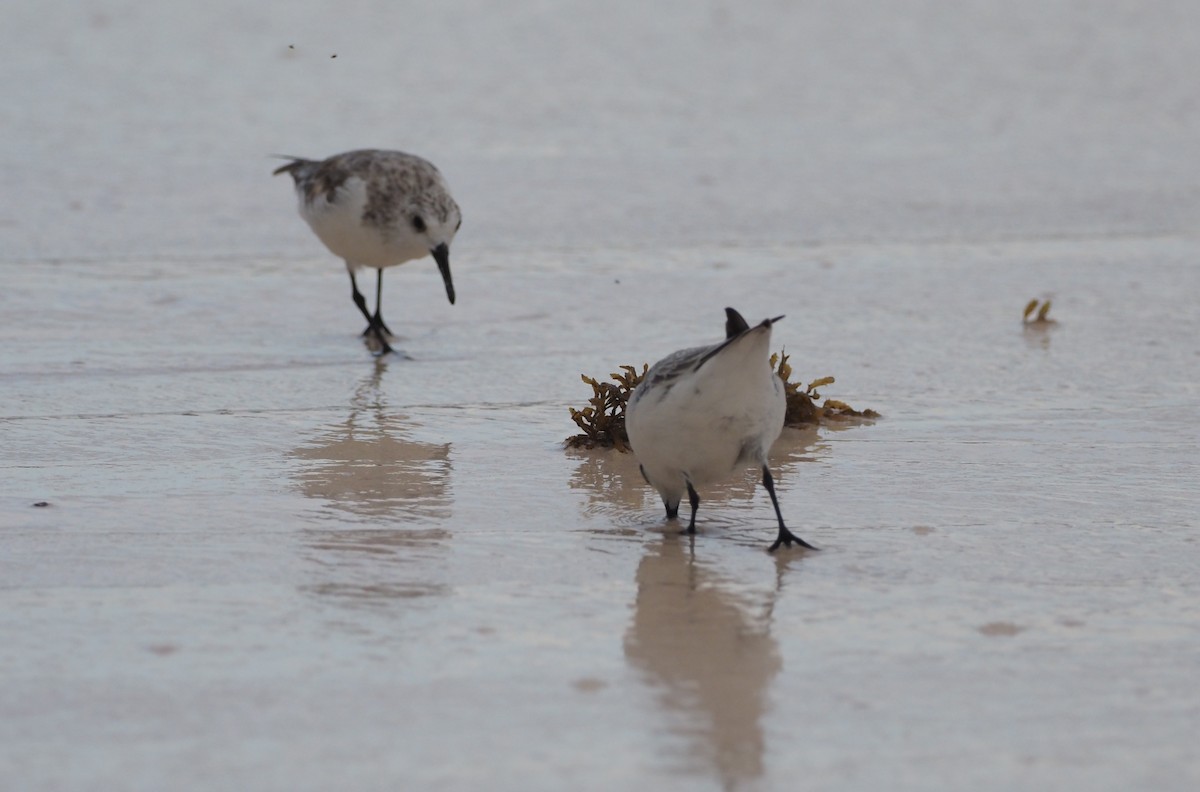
(239, 552)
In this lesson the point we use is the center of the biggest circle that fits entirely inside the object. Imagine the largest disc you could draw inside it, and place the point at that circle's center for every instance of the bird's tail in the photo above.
(736, 329)
(299, 168)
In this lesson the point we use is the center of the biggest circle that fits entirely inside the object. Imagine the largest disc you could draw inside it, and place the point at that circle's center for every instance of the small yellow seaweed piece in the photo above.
(820, 383)
(1030, 306)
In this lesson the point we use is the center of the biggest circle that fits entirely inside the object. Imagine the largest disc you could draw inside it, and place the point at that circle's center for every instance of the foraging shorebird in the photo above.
(377, 209)
(702, 414)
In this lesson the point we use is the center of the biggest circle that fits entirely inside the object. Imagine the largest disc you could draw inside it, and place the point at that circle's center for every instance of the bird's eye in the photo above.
(418, 224)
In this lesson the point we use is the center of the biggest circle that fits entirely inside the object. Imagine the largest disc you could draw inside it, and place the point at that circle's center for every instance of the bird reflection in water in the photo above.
(702, 641)
(383, 496)
(706, 650)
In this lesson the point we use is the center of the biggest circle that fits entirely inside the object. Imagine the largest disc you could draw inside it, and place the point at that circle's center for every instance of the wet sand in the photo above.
(270, 561)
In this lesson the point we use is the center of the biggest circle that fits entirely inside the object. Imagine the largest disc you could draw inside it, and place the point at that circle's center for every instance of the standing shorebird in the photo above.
(702, 414)
(377, 209)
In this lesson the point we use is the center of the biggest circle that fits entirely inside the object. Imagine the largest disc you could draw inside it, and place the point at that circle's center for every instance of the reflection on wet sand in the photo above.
(1037, 334)
(612, 481)
(704, 643)
(365, 469)
(365, 465)
(709, 655)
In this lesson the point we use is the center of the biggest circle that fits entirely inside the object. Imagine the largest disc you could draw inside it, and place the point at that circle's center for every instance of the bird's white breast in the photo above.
(337, 220)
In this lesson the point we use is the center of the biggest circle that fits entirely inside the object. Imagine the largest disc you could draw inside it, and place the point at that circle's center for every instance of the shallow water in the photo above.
(271, 561)
(269, 557)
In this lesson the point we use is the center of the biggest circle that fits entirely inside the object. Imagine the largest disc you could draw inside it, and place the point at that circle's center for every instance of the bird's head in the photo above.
(435, 228)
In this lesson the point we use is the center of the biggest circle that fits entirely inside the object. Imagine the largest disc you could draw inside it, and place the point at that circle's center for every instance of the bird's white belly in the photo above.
(339, 225)
(686, 435)
(703, 452)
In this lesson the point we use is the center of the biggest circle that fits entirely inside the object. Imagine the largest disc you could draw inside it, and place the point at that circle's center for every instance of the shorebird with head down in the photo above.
(702, 414)
(377, 209)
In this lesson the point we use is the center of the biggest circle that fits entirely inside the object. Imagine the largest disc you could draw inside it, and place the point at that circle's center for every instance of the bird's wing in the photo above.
(675, 365)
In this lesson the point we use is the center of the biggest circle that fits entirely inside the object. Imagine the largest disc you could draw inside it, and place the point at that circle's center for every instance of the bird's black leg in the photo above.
(377, 321)
(372, 327)
(693, 499)
(785, 537)
(360, 301)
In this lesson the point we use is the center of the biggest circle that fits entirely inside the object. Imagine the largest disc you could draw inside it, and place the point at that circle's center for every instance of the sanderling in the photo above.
(377, 209)
(702, 414)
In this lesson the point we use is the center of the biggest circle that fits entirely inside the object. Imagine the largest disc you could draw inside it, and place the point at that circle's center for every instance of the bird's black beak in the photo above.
(441, 254)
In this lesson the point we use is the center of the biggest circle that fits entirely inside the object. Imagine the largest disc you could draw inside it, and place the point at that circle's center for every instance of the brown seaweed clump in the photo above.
(602, 421)
(802, 406)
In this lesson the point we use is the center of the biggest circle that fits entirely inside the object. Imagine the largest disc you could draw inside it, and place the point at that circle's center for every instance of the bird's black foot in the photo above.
(378, 325)
(375, 338)
(786, 538)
